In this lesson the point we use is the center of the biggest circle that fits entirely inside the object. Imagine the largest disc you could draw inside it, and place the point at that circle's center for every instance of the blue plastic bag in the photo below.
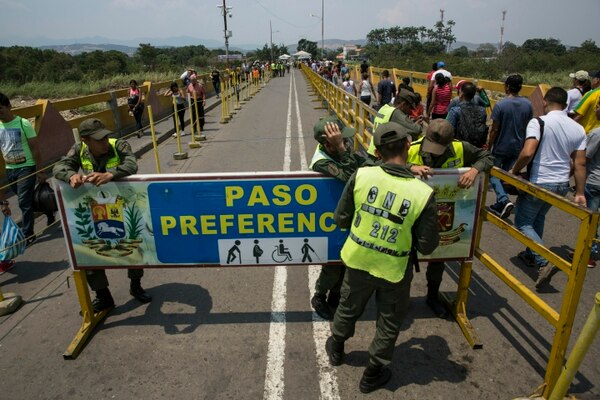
(12, 240)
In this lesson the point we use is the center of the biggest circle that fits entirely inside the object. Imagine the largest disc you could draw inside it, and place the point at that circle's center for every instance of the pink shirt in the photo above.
(198, 89)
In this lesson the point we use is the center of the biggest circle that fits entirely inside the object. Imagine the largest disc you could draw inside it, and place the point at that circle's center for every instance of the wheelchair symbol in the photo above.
(281, 253)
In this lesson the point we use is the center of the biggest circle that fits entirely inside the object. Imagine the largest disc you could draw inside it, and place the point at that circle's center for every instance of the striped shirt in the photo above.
(442, 99)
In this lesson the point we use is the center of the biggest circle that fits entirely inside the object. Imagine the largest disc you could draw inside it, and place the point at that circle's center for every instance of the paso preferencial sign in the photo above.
(230, 220)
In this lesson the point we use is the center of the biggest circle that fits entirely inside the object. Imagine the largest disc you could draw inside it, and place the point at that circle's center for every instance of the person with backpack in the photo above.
(469, 119)
(553, 143)
(510, 117)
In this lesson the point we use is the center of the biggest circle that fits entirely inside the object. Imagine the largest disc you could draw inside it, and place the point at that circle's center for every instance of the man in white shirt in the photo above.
(551, 142)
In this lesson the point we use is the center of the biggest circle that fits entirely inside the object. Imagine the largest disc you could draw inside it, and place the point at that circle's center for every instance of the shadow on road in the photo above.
(413, 361)
(179, 308)
(518, 330)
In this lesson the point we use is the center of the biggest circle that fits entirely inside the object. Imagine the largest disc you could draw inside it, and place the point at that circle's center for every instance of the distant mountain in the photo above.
(468, 45)
(129, 46)
(75, 49)
(177, 41)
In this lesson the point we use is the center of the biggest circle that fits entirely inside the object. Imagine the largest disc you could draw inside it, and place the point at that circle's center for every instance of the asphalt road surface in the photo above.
(250, 333)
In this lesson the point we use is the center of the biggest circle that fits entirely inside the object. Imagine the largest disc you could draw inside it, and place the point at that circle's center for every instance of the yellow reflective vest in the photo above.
(86, 162)
(383, 115)
(380, 237)
(319, 155)
(457, 161)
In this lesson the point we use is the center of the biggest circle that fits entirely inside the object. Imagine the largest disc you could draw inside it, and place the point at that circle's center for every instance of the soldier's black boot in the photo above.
(374, 377)
(434, 302)
(103, 300)
(335, 351)
(136, 290)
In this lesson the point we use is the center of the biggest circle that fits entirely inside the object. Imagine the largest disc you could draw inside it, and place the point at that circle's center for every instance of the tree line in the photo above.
(416, 48)
(19, 64)
(404, 47)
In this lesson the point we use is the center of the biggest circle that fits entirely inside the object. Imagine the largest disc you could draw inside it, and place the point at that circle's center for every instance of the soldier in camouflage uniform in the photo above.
(101, 160)
(334, 157)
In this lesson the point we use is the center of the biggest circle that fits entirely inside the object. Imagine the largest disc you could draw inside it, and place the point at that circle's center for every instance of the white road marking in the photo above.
(275, 373)
(327, 376)
(301, 148)
(274, 379)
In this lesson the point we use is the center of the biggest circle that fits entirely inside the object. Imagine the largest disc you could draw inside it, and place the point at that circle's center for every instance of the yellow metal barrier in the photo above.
(584, 341)
(90, 319)
(561, 320)
(357, 114)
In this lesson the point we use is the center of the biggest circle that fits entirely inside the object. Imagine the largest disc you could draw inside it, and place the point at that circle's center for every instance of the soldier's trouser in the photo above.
(392, 304)
(97, 277)
(330, 279)
(435, 271)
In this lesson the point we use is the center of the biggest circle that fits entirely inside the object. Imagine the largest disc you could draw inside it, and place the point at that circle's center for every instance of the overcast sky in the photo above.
(477, 21)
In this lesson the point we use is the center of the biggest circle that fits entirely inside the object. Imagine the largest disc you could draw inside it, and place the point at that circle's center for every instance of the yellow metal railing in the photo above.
(347, 107)
(562, 319)
(357, 114)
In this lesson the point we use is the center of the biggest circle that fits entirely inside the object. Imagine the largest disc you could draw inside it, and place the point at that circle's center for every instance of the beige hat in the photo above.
(580, 75)
(440, 134)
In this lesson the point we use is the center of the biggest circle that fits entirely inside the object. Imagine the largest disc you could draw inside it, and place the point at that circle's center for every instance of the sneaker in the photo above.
(502, 210)
(527, 259)
(131, 113)
(374, 378)
(546, 274)
(591, 262)
(335, 351)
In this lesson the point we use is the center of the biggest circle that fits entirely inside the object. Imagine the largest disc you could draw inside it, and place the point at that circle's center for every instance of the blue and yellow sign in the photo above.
(232, 220)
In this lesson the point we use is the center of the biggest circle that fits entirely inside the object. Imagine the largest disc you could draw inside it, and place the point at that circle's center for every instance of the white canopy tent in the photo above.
(302, 55)
(285, 57)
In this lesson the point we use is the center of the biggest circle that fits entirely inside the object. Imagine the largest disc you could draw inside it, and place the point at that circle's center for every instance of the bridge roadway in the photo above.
(249, 333)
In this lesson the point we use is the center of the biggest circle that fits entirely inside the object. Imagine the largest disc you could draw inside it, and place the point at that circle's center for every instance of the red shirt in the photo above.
(443, 95)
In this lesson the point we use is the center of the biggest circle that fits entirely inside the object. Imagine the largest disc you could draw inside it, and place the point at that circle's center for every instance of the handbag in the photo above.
(12, 240)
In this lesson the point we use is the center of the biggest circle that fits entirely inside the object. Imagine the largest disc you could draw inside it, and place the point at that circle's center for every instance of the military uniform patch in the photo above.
(333, 169)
